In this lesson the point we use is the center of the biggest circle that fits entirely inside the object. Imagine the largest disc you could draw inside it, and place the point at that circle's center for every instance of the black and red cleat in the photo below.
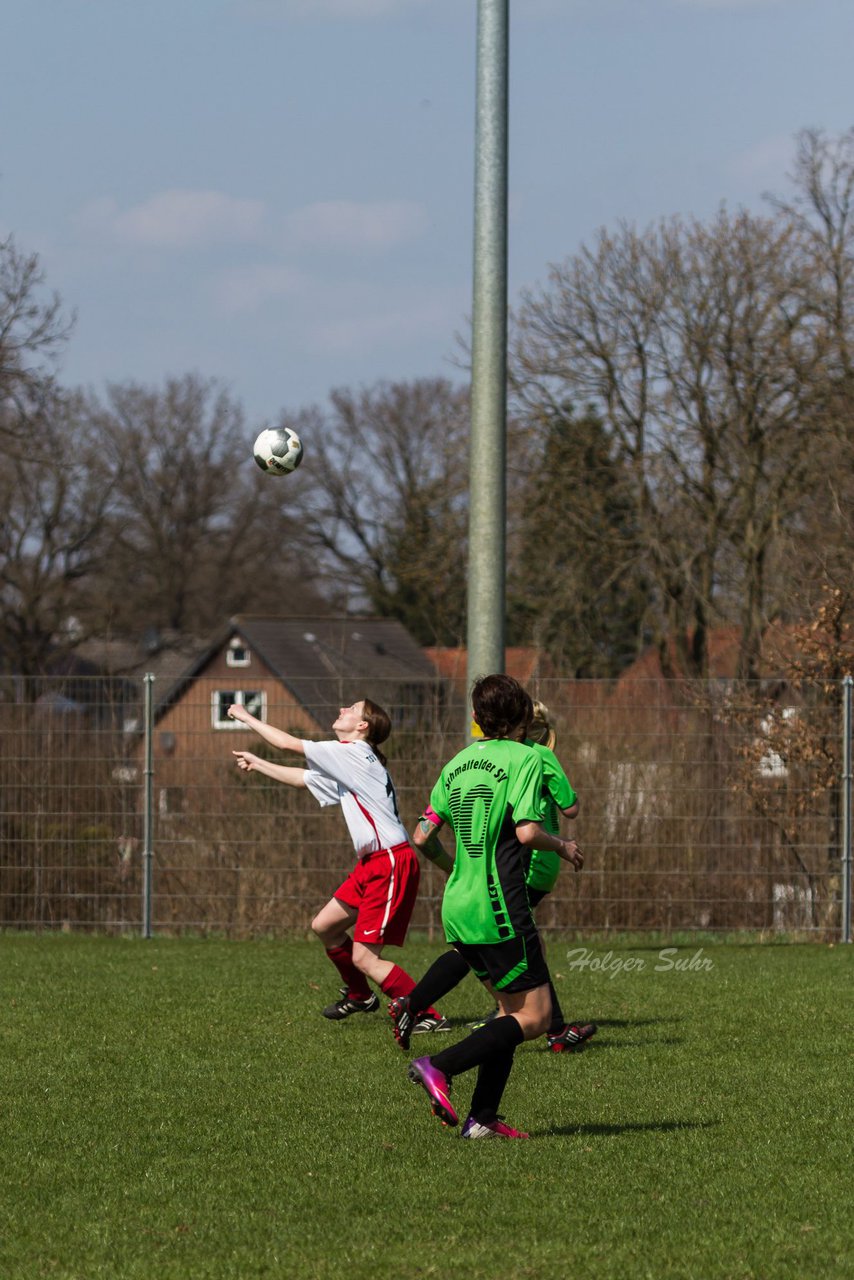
(573, 1037)
(403, 1020)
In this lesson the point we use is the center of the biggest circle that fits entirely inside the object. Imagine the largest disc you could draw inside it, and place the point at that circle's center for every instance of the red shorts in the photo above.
(382, 887)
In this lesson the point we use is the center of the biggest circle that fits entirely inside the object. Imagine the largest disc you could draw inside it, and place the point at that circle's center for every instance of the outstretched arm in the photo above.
(290, 774)
(533, 836)
(426, 839)
(275, 737)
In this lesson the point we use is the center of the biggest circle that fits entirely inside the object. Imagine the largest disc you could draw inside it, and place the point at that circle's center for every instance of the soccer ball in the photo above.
(278, 450)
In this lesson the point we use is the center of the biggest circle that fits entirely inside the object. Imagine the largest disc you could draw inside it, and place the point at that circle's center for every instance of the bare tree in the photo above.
(197, 532)
(383, 500)
(696, 346)
(55, 504)
(33, 331)
(821, 213)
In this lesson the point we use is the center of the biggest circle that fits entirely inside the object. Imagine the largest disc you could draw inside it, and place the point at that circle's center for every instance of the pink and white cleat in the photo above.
(437, 1086)
(495, 1129)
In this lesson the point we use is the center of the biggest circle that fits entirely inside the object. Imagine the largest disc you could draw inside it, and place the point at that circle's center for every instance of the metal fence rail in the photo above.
(704, 807)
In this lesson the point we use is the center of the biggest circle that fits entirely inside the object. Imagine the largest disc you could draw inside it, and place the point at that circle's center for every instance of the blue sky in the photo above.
(279, 193)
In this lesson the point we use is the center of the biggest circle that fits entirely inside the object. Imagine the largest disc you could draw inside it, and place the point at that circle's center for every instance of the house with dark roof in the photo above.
(294, 672)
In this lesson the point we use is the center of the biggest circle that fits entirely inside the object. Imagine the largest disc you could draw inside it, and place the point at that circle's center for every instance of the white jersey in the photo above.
(349, 774)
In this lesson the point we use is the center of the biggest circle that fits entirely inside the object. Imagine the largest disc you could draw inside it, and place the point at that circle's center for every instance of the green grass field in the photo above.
(178, 1108)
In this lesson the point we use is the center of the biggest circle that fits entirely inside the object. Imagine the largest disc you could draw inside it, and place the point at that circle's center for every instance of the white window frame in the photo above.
(239, 698)
(232, 659)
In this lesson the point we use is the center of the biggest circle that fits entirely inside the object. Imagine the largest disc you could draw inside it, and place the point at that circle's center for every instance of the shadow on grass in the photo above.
(614, 1130)
(598, 1046)
(469, 1023)
(634, 1022)
(597, 1043)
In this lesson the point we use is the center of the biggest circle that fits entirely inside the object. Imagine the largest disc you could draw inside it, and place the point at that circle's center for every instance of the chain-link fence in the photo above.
(708, 806)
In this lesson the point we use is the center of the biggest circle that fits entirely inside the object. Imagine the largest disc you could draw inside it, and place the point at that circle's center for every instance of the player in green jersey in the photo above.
(449, 969)
(543, 867)
(490, 794)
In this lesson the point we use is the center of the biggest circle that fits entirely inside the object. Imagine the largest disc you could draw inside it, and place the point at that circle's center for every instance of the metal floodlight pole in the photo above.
(488, 447)
(148, 805)
(847, 698)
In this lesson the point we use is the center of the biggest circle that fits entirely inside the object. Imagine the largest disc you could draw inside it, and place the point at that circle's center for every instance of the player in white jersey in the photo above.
(378, 896)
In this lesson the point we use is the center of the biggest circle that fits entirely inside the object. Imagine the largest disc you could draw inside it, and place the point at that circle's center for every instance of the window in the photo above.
(254, 702)
(237, 655)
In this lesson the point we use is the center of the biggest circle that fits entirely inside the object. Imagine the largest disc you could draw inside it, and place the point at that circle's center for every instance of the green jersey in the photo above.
(558, 794)
(483, 794)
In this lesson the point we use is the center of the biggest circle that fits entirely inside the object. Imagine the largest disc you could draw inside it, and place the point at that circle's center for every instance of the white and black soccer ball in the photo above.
(278, 451)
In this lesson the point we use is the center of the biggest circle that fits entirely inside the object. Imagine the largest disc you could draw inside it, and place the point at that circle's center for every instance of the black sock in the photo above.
(443, 975)
(492, 1076)
(557, 1023)
(494, 1038)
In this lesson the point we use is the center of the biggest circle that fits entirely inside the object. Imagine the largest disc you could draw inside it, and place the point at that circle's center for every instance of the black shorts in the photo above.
(515, 965)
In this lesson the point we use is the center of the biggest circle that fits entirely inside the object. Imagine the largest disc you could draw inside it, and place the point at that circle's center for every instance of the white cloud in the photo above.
(178, 219)
(346, 224)
(245, 289)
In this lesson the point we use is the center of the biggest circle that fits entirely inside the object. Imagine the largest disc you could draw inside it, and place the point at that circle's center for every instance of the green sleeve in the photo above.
(557, 783)
(439, 801)
(525, 795)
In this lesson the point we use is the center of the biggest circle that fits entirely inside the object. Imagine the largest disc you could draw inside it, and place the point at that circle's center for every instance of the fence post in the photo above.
(847, 690)
(148, 796)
